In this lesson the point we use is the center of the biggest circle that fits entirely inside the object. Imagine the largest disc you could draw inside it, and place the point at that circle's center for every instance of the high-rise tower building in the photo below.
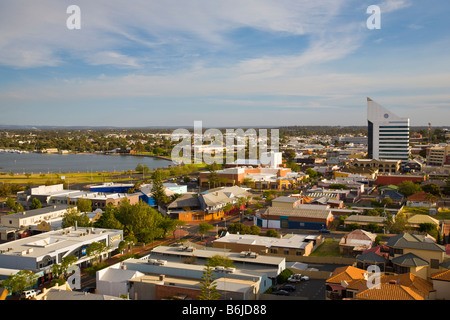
(388, 134)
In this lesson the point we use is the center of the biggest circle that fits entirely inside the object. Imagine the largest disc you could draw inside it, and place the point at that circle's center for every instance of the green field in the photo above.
(71, 178)
(443, 214)
(329, 248)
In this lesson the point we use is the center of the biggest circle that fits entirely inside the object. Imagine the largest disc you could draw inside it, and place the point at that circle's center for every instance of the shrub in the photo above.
(284, 275)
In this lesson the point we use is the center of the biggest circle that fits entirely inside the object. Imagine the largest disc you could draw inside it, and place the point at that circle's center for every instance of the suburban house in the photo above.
(422, 199)
(441, 283)
(356, 242)
(206, 206)
(417, 254)
(416, 220)
(364, 220)
(375, 256)
(290, 245)
(354, 283)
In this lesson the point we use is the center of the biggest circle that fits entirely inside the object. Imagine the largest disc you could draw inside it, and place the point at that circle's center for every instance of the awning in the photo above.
(335, 287)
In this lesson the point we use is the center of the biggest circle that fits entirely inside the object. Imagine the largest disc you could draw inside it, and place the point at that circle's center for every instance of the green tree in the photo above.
(207, 285)
(204, 227)
(84, 205)
(432, 188)
(218, 260)
(255, 230)
(142, 168)
(408, 188)
(158, 189)
(168, 224)
(72, 215)
(289, 155)
(60, 270)
(36, 204)
(429, 228)
(312, 174)
(95, 251)
(20, 281)
(397, 225)
(272, 233)
(108, 221)
(14, 206)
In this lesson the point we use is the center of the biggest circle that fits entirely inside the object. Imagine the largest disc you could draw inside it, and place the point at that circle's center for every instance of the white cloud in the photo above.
(393, 5)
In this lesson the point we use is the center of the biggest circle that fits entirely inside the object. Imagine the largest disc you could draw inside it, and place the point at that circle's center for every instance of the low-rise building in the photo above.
(356, 242)
(314, 217)
(352, 283)
(414, 253)
(206, 206)
(16, 224)
(39, 252)
(290, 245)
(422, 199)
(177, 272)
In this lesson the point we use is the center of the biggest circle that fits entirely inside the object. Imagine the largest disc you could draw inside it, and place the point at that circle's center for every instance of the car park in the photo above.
(287, 287)
(297, 278)
(281, 293)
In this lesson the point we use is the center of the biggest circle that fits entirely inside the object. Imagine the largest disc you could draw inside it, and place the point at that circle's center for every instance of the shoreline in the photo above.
(21, 171)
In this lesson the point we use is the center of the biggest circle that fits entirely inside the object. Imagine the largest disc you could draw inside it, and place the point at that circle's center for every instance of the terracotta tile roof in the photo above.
(389, 291)
(347, 274)
(410, 280)
(422, 196)
(443, 275)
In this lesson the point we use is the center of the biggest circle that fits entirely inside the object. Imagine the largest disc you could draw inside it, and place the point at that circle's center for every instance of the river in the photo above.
(64, 163)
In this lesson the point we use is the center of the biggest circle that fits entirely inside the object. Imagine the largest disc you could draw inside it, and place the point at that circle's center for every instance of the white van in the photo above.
(30, 293)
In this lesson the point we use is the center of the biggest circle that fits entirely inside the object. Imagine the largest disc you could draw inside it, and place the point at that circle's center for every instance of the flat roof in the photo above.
(295, 241)
(43, 243)
(36, 212)
(210, 252)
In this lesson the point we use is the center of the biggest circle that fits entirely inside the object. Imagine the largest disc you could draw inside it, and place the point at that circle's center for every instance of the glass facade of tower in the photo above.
(388, 134)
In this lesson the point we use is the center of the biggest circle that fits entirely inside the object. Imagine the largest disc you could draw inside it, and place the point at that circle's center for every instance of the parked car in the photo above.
(281, 293)
(323, 230)
(297, 278)
(30, 293)
(288, 287)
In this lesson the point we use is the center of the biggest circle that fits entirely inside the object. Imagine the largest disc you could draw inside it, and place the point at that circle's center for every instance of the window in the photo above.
(286, 251)
(434, 263)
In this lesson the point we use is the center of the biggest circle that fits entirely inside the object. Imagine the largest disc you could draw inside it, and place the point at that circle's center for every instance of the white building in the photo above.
(388, 134)
(39, 252)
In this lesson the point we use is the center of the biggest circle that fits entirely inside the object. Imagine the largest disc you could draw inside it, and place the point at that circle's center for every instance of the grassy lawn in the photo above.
(441, 215)
(71, 178)
(329, 248)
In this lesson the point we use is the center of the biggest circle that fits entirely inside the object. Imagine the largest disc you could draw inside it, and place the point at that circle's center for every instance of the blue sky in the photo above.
(227, 63)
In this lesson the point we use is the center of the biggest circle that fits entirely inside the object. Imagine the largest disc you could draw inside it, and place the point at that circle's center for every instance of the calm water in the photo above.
(54, 163)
